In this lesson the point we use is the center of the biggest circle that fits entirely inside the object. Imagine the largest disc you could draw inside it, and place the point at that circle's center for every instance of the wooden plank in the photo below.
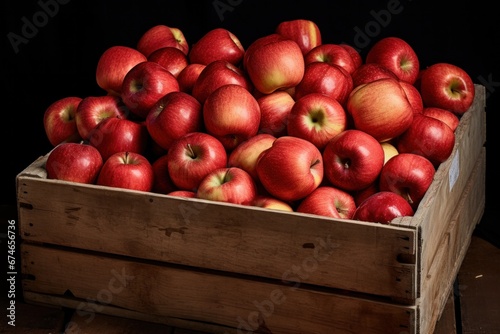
(199, 297)
(357, 256)
(441, 200)
(87, 311)
(479, 291)
(437, 281)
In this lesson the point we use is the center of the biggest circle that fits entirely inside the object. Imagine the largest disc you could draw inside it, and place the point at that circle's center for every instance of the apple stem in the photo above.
(408, 198)
(191, 152)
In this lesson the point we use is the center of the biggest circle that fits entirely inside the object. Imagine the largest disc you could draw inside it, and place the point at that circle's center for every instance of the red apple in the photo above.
(188, 76)
(355, 55)
(183, 193)
(127, 170)
(362, 194)
(74, 162)
(274, 111)
(114, 63)
(353, 160)
(429, 137)
(414, 97)
(383, 207)
(447, 86)
(409, 175)
(317, 118)
(380, 108)
(59, 120)
(194, 156)
(397, 55)
(228, 184)
(93, 109)
(172, 116)
(331, 54)
(451, 119)
(272, 203)
(217, 44)
(162, 182)
(216, 74)
(328, 201)
(113, 135)
(328, 79)
(144, 85)
(274, 62)
(366, 73)
(245, 155)
(161, 36)
(173, 59)
(305, 33)
(291, 168)
(232, 115)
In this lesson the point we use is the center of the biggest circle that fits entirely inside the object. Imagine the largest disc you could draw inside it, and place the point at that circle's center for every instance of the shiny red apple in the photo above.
(380, 108)
(172, 116)
(232, 115)
(330, 202)
(127, 170)
(144, 85)
(408, 175)
(228, 184)
(74, 162)
(353, 160)
(383, 207)
(317, 118)
(397, 55)
(291, 168)
(192, 157)
(113, 64)
(429, 137)
(217, 44)
(274, 62)
(305, 33)
(59, 120)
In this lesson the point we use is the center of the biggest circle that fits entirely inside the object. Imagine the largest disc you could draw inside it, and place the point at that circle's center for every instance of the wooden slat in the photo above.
(437, 281)
(357, 256)
(440, 202)
(202, 297)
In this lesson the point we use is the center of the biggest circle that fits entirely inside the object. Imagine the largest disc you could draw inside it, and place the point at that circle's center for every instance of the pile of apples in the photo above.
(288, 123)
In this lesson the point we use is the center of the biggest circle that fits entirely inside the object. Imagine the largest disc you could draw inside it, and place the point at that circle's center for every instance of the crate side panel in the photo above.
(348, 255)
(199, 296)
(437, 280)
(450, 180)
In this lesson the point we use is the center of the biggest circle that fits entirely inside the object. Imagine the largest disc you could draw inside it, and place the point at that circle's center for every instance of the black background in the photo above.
(59, 60)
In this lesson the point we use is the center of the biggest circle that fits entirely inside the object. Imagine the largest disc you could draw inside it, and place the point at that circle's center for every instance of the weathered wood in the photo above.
(437, 281)
(205, 297)
(215, 267)
(105, 324)
(355, 256)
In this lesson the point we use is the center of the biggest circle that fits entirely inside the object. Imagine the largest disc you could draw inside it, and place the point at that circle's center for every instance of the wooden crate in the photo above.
(226, 268)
